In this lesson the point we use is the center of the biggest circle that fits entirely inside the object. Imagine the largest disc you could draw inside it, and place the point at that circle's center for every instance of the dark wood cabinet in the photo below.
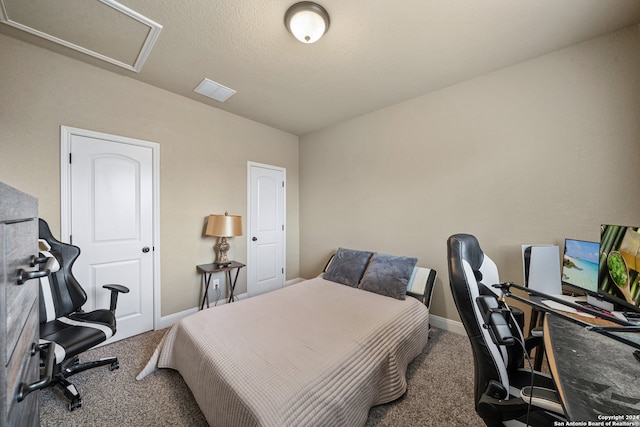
(19, 322)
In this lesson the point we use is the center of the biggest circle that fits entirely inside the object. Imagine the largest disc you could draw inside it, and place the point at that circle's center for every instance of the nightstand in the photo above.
(207, 271)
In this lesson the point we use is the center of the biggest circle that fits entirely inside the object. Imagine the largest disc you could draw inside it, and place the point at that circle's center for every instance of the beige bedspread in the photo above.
(316, 353)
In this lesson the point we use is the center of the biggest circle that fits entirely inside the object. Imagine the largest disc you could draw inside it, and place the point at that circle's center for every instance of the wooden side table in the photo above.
(207, 271)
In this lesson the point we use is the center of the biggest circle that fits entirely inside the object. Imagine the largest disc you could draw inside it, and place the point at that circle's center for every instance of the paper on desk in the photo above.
(561, 307)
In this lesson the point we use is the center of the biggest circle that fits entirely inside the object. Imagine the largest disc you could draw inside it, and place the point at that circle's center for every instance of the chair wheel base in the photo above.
(72, 367)
(75, 404)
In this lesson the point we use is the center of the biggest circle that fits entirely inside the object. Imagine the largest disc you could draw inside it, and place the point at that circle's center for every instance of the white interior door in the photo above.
(266, 234)
(111, 190)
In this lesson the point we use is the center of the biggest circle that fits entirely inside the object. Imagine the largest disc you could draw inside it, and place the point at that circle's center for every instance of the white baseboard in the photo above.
(436, 321)
(294, 281)
(168, 321)
(447, 324)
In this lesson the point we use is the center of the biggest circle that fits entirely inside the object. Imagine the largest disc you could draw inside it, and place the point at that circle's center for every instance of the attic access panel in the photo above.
(104, 29)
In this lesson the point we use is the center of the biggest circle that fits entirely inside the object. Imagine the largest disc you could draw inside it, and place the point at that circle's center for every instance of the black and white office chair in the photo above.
(503, 395)
(62, 321)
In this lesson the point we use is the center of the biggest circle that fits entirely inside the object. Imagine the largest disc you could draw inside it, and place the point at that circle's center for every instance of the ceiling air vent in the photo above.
(214, 90)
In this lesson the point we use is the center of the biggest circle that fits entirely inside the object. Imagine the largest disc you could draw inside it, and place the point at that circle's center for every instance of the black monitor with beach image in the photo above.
(580, 265)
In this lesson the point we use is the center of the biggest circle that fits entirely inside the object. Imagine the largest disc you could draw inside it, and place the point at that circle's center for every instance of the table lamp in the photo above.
(223, 226)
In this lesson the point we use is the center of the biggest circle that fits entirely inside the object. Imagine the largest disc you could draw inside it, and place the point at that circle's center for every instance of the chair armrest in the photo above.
(494, 406)
(537, 332)
(115, 289)
(544, 398)
(532, 342)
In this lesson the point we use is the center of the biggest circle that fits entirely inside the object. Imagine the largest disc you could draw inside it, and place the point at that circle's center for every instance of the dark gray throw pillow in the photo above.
(388, 275)
(347, 266)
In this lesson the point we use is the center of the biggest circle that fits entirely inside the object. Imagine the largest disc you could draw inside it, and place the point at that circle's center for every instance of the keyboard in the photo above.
(595, 308)
(632, 316)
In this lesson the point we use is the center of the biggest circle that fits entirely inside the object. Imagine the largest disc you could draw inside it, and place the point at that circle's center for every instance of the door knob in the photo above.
(145, 249)
(254, 238)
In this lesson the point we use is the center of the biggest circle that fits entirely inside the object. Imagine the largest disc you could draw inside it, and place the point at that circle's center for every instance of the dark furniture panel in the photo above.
(19, 322)
(21, 245)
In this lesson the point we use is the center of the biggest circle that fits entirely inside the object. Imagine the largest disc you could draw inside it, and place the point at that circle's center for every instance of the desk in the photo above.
(207, 271)
(594, 374)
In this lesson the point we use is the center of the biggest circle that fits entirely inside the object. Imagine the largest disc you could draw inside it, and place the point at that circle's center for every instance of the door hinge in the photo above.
(282, 184)
(282, 227)
(283, 270)
(69, 158)
(70, 239)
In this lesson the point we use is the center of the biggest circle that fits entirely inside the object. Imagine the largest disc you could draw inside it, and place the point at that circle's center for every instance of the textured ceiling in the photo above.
(375, 54)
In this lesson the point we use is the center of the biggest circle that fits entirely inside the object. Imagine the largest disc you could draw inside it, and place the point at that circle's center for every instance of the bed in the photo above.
(316, 353)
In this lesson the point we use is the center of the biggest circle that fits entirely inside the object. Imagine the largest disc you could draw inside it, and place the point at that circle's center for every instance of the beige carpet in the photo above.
(440, 390)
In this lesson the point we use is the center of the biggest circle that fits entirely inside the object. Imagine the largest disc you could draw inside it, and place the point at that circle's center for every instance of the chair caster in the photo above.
(75, 404)
(115, 365)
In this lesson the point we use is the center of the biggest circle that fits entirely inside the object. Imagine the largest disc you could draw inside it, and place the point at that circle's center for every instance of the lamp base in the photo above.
(223, 248)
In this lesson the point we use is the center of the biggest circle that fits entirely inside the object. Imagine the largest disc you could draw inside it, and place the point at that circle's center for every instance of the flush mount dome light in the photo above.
(307, 21)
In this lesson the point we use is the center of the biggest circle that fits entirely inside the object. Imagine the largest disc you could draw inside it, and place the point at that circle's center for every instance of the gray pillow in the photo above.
(347, 266)
(388, 275)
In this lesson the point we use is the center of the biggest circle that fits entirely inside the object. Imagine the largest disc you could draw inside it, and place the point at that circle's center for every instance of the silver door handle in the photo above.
(24, 275)
(146, 249)
(254, 238)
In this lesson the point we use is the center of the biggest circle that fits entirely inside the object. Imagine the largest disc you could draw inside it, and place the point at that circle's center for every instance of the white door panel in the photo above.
(116, 198)
(265, 268)
(267, 262)
(127, 273)
(111, 194)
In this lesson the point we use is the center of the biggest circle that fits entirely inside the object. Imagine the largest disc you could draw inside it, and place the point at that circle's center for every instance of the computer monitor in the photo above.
(580, 265)
(581, 270)
(619, 265)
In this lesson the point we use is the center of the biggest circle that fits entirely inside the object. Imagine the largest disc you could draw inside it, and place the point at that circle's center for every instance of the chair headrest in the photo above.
(466, 247)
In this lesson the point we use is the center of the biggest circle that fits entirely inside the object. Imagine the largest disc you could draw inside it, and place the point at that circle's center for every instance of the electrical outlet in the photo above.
(216, 283)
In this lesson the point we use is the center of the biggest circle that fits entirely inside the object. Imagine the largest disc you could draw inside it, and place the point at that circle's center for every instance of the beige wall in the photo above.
(203, 154)
(534, 153)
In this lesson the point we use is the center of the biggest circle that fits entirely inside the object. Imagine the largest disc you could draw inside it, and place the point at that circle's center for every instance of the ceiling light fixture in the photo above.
(307, 21)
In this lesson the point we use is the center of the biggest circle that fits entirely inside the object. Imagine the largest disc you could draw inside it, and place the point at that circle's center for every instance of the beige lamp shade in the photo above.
(224, 225)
